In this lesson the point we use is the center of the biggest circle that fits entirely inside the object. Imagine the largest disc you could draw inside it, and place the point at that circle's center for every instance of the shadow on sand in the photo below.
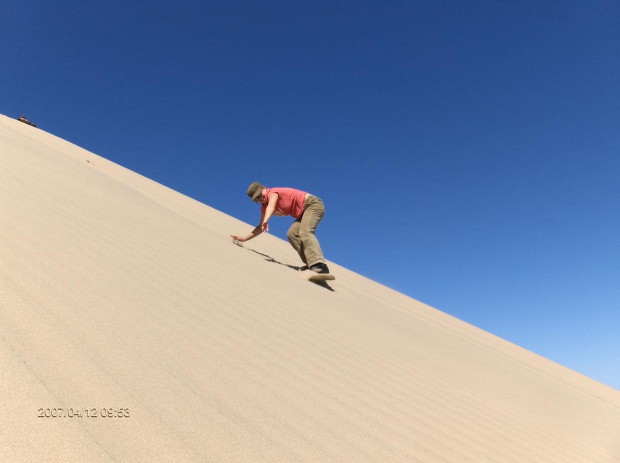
(268, 258)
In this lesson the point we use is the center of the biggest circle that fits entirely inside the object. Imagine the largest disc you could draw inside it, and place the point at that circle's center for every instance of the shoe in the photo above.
(320, 268)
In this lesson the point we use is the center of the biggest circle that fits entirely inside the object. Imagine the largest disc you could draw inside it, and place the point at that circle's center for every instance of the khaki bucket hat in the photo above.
(255, 190)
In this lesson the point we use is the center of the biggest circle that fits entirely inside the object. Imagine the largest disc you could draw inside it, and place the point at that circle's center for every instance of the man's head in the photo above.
(255, 191)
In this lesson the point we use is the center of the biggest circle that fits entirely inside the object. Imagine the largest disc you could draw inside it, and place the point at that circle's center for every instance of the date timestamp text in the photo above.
(93, 412)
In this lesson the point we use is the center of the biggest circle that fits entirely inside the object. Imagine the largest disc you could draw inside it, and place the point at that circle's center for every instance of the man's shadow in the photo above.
(271, 259)
(268, 258)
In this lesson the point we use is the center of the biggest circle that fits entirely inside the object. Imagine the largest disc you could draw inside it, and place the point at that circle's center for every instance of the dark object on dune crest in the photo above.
(23, 119)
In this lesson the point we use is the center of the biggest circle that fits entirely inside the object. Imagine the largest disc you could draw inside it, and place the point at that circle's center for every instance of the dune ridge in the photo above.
(117, 293)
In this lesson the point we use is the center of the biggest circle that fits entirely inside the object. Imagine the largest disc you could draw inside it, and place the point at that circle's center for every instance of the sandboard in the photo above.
(317, 277)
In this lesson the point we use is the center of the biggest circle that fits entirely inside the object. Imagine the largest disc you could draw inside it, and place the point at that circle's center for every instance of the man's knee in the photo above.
(292, 234)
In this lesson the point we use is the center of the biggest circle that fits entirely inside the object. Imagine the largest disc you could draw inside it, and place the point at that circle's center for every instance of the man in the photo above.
(306, 209)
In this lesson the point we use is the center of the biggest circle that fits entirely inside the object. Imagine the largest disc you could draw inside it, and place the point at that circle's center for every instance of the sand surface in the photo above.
(119, 296)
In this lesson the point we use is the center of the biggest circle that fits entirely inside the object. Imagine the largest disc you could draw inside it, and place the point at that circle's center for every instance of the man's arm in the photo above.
(254, 233)
(273, 200)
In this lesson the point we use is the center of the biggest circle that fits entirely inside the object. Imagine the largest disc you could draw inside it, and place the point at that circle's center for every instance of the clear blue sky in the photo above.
(467, 151)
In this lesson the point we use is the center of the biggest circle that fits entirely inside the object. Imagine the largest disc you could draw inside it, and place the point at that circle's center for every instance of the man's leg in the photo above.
(295, 240)
(312, 216)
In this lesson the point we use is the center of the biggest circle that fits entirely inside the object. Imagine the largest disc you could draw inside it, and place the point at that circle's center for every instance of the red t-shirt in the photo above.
(290, 201)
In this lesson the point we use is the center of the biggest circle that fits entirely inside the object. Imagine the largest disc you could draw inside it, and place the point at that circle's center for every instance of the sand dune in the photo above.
(121, 296)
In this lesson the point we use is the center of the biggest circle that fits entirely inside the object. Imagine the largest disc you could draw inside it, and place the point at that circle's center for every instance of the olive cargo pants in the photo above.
(301, 234)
